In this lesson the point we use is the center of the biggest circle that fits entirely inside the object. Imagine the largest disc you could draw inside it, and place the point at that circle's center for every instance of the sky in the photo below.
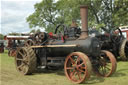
(13, 15)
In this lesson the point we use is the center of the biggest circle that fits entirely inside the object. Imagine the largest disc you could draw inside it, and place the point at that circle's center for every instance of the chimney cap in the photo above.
(83, 6)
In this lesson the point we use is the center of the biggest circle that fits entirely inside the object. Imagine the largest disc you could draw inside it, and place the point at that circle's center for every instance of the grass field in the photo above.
(10, 76)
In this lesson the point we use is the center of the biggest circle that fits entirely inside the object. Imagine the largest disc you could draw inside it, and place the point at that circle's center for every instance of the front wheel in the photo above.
(77, 67)
(106, 65)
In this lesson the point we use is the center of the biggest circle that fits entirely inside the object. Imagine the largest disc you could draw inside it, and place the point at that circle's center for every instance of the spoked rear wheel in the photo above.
(25, 60)
(77, 67)
(107, 64)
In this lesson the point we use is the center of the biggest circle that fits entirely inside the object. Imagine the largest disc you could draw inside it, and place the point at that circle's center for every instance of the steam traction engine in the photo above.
(83, 53)
(13, 43)
(115, 42)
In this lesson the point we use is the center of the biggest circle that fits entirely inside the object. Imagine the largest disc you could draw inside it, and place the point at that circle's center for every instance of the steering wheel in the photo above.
(61, 30)
(116, 36)
(113, 30)
(113, 37)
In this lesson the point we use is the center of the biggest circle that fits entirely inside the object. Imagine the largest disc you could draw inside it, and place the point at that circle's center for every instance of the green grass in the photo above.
(10, 76)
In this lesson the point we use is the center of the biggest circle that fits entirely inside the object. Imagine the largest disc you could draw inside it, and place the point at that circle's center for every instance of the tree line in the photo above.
(102, 13)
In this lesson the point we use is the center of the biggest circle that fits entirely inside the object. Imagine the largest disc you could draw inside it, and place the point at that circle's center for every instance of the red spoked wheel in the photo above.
(77, 67)
(107, 64)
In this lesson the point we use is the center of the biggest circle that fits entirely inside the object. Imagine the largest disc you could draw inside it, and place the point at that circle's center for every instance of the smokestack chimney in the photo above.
(84, 20)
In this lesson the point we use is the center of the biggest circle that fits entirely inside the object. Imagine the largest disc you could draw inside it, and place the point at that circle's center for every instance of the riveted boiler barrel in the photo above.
(90, 46)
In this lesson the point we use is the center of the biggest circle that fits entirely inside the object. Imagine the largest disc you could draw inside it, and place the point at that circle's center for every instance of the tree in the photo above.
(35, 31)
(14, 33)
(120, 12)
(49, 13)
(108, 13)
(1, 36)
(44, 15)
(113, 13)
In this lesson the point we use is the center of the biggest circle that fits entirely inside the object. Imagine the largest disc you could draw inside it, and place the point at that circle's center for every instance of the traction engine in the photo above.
(70, 48)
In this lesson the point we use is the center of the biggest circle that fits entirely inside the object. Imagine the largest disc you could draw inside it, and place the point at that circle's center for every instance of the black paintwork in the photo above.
(90, 46)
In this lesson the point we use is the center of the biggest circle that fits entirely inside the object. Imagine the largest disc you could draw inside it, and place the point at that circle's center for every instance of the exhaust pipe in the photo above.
(84, 20)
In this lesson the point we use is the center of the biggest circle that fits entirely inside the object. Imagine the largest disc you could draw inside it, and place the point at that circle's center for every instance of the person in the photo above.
(14, 45)
(74, 24)
(1, 47)
(74, 30)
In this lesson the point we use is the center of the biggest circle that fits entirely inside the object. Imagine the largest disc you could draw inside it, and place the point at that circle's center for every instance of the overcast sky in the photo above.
(13, 15)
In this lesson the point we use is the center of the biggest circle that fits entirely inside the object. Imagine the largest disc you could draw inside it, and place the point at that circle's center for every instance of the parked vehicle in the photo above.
(124, 30)
(83, 53)
(14, 42)
(1, 46)
(114, 40)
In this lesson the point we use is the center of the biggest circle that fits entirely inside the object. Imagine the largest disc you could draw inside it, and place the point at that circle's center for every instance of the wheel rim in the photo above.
(126, 49)
(22, 61)
(107, 64)
(76, 67)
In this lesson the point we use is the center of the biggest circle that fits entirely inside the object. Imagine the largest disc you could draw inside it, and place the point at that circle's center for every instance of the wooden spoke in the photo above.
(73, 62)
(74, 76)
(19, 59)
(72, 73)
(103, 70)
(81, 70)
(107, 68)
(21, 53)
(79, 75)
(80, 65)
(78, 60)
(19, 67)
(69, 68)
